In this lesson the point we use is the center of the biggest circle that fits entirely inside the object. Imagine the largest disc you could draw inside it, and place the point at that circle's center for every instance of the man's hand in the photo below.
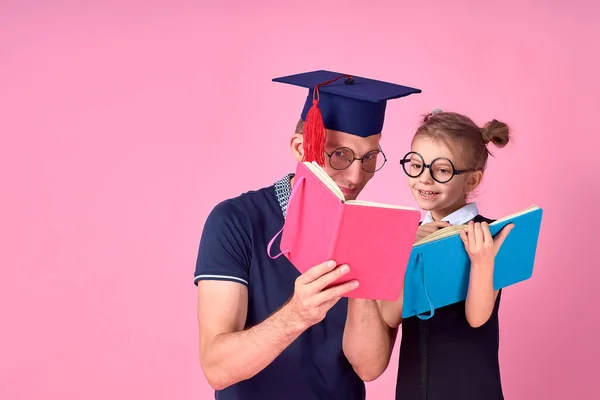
(313, 298)
(427, 229)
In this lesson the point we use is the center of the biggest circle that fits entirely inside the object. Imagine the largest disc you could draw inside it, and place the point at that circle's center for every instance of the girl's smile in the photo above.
(440, 198)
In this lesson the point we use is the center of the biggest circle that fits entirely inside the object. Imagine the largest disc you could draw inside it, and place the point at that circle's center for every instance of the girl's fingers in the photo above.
(487, 236)
(478, 234)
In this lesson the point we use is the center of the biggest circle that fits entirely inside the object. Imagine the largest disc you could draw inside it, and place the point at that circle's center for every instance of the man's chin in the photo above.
(350, 194)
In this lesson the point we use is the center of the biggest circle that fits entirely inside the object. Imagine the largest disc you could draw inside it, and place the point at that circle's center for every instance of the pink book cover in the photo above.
(374, 241)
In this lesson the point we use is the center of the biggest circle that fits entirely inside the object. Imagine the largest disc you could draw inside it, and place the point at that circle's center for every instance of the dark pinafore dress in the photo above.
(444, 358)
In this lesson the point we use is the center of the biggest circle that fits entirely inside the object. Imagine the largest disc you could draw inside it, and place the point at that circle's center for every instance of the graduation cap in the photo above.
(341, 102)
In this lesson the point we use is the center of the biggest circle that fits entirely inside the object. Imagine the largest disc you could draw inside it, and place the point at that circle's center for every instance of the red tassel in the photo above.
(315, 133)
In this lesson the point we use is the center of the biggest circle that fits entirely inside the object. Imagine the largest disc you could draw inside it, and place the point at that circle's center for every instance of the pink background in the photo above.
(117, 121)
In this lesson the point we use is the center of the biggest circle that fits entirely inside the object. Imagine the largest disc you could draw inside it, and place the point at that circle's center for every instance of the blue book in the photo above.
(438, 269)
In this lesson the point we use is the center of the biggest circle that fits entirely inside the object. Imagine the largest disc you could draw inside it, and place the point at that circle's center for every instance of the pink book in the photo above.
(374, 239)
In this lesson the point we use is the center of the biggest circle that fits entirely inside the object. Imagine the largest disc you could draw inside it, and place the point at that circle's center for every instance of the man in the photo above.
(267, 332)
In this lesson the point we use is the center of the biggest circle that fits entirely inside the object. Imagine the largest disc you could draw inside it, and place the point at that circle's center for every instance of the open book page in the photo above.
(382, 205)
(455, 230)
(325, 178)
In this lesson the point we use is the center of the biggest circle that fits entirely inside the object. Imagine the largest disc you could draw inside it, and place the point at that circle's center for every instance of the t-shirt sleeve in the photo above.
(225, 249)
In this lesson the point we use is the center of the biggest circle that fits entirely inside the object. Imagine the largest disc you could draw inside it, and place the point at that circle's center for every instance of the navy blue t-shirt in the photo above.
(233, 247)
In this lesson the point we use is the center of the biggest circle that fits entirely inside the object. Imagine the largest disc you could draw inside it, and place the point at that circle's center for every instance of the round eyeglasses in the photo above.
(341, 158)
(441, 169)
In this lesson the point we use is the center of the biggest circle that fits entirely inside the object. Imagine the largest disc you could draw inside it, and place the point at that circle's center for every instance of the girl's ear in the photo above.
(473, 181)
(296, 146)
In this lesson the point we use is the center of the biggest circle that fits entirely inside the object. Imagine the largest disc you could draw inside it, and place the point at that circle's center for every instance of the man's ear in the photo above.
(473, 181)
(296, 146)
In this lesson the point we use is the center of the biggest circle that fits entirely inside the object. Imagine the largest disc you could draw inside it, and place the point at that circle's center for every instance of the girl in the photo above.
(454, 354)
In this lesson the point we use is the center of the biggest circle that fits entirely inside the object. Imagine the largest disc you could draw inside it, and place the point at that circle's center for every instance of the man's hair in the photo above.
(300, 126)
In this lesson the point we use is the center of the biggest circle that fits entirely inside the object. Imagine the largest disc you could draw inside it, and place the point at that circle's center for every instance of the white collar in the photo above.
(458, 217)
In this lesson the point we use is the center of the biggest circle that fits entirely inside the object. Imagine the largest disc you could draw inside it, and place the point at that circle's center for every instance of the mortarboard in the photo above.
(344, 103)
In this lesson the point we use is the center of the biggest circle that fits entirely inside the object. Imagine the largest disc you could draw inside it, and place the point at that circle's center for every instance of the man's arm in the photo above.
(368, 340)
(230, 354)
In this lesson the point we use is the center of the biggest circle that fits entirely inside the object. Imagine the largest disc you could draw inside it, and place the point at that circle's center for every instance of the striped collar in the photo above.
(283, 190)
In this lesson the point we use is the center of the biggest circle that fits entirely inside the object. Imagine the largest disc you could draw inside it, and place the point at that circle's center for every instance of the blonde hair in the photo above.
(462, 134)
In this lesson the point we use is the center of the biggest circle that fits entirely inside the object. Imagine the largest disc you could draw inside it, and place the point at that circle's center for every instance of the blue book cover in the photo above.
(439, 266)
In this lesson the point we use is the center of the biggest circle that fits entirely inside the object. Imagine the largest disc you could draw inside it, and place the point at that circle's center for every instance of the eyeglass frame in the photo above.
(429, 166)
(354, 158)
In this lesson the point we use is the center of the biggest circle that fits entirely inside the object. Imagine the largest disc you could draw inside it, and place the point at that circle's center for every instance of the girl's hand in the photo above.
(480, 245)
(427, 229)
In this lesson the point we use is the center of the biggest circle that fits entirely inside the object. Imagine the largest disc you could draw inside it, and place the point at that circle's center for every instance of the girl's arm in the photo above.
(481, 295)
(482, 249)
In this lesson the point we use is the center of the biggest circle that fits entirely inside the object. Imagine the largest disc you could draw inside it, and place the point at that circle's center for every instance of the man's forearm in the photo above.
(234, 357)
(368, 340)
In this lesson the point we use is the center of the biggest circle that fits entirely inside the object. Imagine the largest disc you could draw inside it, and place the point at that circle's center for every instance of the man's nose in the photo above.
(354, 173)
